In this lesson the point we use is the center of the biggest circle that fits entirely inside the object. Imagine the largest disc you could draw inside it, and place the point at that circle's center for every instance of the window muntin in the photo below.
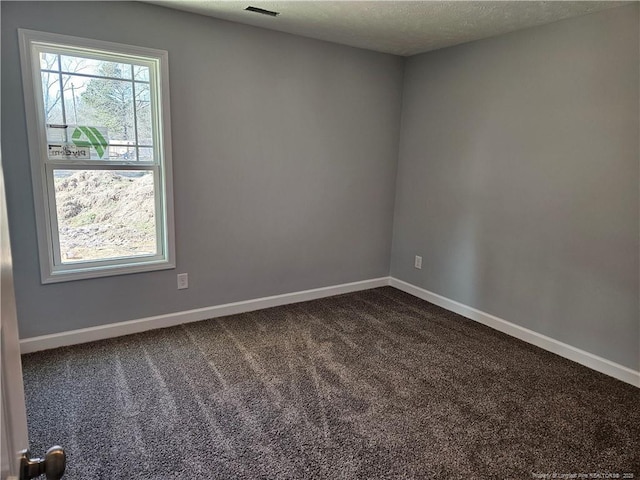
(99, 142)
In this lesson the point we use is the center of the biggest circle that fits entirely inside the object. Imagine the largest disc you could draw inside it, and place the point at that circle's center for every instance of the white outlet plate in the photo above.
(418, 262)
(183, 281)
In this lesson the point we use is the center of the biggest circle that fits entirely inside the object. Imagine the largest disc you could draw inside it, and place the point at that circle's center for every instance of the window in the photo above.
(99, 142)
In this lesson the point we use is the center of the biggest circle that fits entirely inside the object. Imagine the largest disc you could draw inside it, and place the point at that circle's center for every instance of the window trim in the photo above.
(43, 203)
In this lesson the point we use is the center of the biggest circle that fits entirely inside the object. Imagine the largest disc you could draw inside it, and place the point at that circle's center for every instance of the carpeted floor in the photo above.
(369, 385)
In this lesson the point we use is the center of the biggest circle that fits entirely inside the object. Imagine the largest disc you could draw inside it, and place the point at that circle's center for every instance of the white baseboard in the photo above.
(587, 359)
(84, 335)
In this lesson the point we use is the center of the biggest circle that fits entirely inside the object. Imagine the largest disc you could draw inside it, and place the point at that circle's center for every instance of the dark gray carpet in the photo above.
(370, 385)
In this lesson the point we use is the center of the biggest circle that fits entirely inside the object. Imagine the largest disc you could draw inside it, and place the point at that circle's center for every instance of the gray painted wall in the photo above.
(518, 179)
(284, 152)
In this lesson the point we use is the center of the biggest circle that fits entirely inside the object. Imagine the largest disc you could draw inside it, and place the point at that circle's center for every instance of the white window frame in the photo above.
(51, 267)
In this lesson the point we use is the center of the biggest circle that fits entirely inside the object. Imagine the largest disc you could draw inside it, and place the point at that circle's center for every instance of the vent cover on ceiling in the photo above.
(262, 11)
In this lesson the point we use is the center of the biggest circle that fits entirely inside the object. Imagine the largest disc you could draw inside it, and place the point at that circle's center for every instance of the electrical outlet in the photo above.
(418, 262)
(183, 281)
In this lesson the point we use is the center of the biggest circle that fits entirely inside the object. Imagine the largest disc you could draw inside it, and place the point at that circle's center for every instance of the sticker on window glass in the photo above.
(79, 141)
(66, 152)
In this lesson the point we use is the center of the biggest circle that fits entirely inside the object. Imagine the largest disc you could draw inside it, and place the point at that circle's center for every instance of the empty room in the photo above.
(320, 240)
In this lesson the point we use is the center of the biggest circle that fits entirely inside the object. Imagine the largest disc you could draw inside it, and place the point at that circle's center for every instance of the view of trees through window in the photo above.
(101, 214)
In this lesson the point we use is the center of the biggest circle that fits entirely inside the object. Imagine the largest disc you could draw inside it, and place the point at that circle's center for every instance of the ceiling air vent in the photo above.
(262, 11)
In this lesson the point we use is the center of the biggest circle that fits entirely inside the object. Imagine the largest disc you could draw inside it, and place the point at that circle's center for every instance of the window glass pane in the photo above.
(52, 98)
(99, 68)
(73, 87)
(145, 154)
(48, 61)
(143, 113)
(122, 153)
(105, 214)
(141, 73)
(102, 103)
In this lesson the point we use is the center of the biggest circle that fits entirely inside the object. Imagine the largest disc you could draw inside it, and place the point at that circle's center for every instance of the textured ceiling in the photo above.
(399, 27)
